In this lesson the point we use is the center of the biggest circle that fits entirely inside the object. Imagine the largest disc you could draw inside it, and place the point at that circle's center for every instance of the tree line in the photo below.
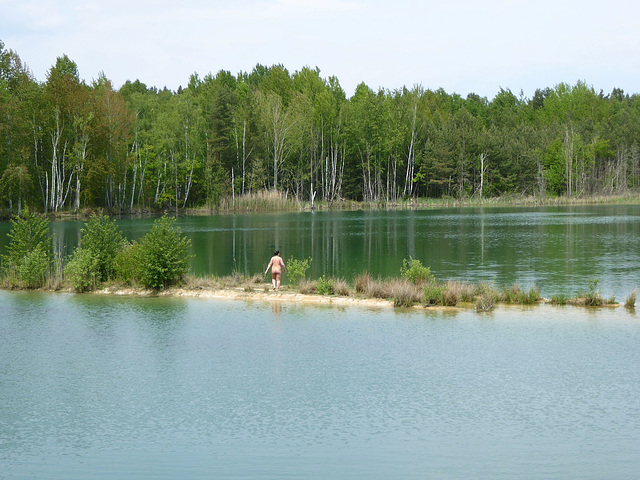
(66, 144)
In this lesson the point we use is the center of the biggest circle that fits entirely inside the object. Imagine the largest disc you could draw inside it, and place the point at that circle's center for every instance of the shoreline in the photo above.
(238, 207)
(290, 296)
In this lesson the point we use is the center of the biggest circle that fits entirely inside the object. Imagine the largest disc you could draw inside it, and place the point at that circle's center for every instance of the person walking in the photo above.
(276, 265)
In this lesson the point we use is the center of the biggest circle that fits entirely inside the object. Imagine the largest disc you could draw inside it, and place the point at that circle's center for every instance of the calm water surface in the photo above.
(98, 387)
(560, 249)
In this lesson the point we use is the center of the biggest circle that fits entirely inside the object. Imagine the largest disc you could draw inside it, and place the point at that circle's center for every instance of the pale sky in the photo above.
(461, 46)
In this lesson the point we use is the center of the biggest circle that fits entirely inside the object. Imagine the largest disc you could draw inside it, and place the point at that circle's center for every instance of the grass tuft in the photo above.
(630, 302)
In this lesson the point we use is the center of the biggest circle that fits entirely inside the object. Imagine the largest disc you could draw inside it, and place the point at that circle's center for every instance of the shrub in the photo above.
(162, 256)
(33, 268)
(94, 260)
(29, 251)
(324, 286)
(124, 263)
(433, 294)
(593, 297)
(102, 239)
(297, 269)
(413, 270)
(82, 270)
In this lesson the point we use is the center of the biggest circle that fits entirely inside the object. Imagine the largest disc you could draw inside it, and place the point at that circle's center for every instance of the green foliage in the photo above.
(593, 298)
(487, 297)
(162, 257)
(93, 260)
(324, 286)
(517, 295)
(229, 136)
(83, 270)
(413, 270)
(559, 299)
(124, 263)
(34, 267)
(297, 269)
(102, 239)
(29, 252)
(433, 294)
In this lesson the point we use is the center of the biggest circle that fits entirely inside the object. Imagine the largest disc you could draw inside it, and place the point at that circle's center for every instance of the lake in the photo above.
(95, 386)
(103, 387)
(560, 249)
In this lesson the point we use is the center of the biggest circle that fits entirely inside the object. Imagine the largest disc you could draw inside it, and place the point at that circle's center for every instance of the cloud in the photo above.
(460, 45)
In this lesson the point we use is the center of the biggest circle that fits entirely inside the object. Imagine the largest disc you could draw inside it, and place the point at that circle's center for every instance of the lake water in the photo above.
(560, 249)
(100, 387)
(164, 388)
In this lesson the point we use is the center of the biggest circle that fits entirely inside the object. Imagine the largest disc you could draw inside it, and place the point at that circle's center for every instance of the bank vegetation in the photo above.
(105, 260)
(270, 139)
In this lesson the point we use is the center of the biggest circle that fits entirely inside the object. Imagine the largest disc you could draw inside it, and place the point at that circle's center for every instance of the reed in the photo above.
(378, 289)
(485, 302)
(306, 286)
(516, 295)
(260, 201)
(361, 282)
(593, 298)
(405, 293)
(559, 299)
(630, 302)
(341, 287)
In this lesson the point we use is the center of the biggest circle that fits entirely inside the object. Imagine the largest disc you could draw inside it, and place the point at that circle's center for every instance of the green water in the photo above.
(560, 249)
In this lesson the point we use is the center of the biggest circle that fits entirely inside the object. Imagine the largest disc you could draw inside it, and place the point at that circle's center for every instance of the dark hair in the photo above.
(277, 252)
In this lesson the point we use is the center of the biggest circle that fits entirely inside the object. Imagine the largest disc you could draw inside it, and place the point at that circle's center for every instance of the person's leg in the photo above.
(277, 282)
(274, 276)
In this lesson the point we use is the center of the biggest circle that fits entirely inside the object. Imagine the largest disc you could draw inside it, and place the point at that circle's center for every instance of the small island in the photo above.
(158, 265)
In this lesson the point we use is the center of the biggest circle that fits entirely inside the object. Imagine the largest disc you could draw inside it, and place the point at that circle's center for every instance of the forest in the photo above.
(67, 145)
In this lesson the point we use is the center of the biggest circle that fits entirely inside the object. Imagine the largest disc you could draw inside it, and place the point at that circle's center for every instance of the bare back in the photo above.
(276, 264)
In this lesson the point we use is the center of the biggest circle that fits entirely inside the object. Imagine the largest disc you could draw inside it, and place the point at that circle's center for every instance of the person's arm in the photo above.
(268, 266)
(284, 266)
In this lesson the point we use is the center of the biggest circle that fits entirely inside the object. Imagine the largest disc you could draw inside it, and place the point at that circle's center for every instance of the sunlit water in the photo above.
(100, 387)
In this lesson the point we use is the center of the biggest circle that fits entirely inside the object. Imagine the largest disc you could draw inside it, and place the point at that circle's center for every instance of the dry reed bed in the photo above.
(399, 292)
(404, 293)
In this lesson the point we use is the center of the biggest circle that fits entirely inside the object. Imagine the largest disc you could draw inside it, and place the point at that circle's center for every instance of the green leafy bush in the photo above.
(413, 270)
(324, 286)
(29, 251)
(297, 269)
(94, 260)
(83, 270)
(162, 257)
(593, 298)
(433, 294)
(124, 263)
(103, 239)
(33, 269)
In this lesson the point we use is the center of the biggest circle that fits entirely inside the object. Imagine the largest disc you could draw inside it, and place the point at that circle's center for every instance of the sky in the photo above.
(461, 46)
